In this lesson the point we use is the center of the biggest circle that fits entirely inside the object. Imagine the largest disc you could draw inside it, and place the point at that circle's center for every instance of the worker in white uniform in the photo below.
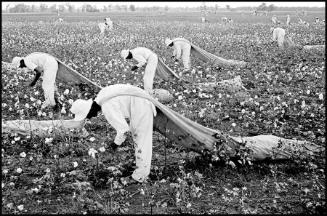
(138, 110)
(46, 64)
(288, 20)
(279, 36)
(143, 56)
(182, 48)
(274, 20)
(109, 23)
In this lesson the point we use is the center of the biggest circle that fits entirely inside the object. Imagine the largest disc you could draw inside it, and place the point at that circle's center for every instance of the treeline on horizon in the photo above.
(62, 8)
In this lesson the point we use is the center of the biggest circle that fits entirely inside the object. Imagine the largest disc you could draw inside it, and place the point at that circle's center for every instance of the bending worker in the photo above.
(279, 36)
(143, 56)
(41, 63)
(140, 113)
(182, 48)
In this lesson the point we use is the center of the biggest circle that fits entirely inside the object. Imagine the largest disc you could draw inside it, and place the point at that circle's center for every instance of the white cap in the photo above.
(124, 53)
(16, 61)
(81, 108)
(168, 41)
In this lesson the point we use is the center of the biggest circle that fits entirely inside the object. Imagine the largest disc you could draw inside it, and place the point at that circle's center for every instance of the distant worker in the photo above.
(107, 25)
(288, 20)
(182, 49)
(274, 20)
(140, 113)
(143, 56)
(41, 63)
(317, 20)
(279, 36)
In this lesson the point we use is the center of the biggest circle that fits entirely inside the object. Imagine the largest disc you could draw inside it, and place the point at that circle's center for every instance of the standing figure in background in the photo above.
(143, 56)
(288, 20)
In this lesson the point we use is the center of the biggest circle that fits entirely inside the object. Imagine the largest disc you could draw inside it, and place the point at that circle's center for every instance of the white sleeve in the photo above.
(29, 64)
(116, 119)
(140, 59)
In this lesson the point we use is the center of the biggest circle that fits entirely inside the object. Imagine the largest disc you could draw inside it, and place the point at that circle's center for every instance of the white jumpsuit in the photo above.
(288, 20)
(109, 23)
(50, 66)
(145, 56)
(140, 112)
(279, 35)
(274, 20)
(182, 48)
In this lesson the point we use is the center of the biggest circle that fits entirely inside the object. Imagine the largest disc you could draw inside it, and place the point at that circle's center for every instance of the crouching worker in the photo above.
(143, 56)
(140, 113)
(42, 63)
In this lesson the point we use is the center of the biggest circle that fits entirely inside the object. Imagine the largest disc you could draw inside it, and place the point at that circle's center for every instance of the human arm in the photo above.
(116, 119)
(38, 72)
(140, 59)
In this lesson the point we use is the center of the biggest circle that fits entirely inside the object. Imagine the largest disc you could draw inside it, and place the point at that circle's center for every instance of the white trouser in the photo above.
(149, 73)
(141, 126)
(186, 53)
(49, 82)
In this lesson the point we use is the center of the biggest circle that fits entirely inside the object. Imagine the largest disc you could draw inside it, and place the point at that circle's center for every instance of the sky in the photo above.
(179, 4)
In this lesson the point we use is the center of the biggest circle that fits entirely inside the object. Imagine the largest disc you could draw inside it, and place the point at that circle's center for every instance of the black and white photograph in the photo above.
(163, 107)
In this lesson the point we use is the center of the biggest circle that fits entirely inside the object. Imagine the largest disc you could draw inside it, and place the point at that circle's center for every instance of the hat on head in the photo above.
(168, 41)
(124, 53)
(80, 108)
(16, 61)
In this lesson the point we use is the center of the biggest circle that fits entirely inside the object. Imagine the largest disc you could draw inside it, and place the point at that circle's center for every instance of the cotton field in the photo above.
(78, 173)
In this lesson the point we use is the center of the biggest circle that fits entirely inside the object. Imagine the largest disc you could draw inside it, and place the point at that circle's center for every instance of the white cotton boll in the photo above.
(75, 164)
(20, 207)
(27, 106)
(102, 149)
(233, 124)
(63, 110)
(321, 96)
(23, 154)
(92, 139)
(19, 170)
(48, 140)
